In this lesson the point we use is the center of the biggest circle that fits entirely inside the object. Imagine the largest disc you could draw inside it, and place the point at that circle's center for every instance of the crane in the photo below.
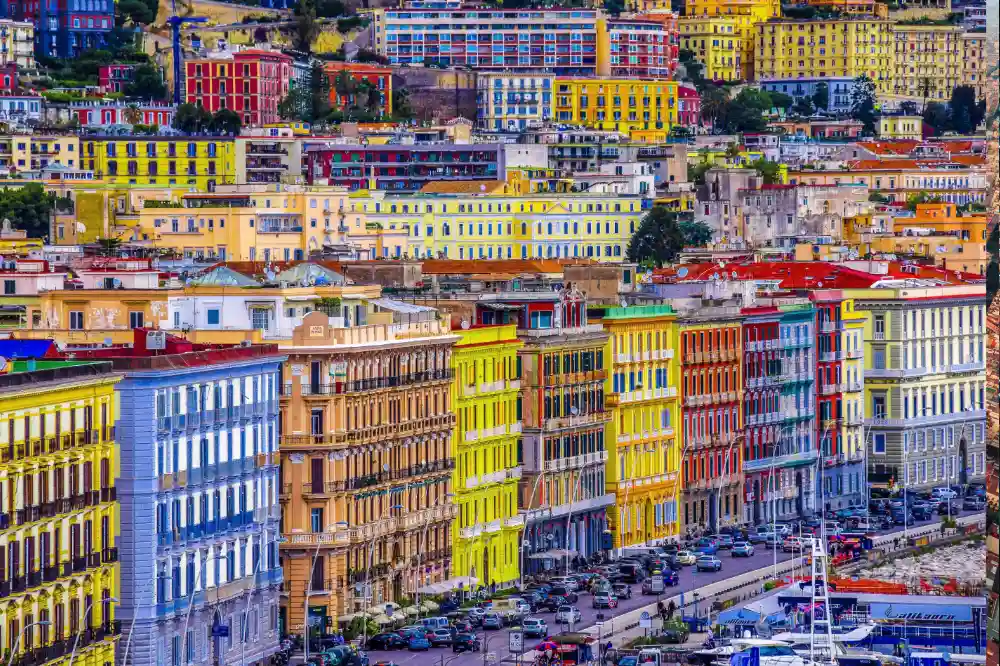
(176, 22)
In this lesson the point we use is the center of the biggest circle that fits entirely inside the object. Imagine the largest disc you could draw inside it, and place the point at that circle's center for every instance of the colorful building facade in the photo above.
(711, 389)
(252, 83)
(202, 162)
(367, 462)
(617, 104)
(487, 530)
(643, 470)
(362, 85)
(61, 516)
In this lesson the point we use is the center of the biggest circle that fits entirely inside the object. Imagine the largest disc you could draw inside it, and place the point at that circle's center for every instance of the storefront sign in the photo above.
(922, 612)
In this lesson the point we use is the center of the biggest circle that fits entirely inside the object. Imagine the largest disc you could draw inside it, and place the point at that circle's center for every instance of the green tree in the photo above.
(191, 118)
(696, 172)
(136, 12)
(936, 118)
(306, 27)
(696, 234)
(330, 9)
(863, 101)
(803, 107)
(226, 121)
(967, 111)
(614, 7)
(714, 102)
(745, 112)
(296, 105)
(769, 171)
(28, 207)
(992, 280)
(319, 93)
(658, 239)
(821, 96)
(147, 83)
(401, 103)
(693, 68)
(914, 200)
(780, 100)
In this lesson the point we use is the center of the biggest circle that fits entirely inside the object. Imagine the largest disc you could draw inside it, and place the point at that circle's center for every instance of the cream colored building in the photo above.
(928, 60)
(17, 43)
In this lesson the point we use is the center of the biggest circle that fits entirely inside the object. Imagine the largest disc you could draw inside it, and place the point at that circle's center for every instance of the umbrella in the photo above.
(424, 607)
(372, 612)
(382, 619)
(431, 605)
(398, 616)
(411, 610)
(545, 646)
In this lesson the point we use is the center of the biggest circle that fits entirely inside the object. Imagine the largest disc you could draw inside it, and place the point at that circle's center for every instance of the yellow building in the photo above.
(60, 524)
(641, 389)
(622, 105)
(196, 161)
(901, 127)
(487, 532)
(810, 49)
(746, 15)
(939, 234)
(928, 60)
(975, 62)
(25, 152)
(716, 42)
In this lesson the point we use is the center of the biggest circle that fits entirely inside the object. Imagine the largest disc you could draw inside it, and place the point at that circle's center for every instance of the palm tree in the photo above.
(373, 102)
(132, 114)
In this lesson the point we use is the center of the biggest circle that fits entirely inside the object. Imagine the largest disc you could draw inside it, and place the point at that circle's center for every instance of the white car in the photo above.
(686, 557)
(568, 615)
(944, 493)
(565, 581)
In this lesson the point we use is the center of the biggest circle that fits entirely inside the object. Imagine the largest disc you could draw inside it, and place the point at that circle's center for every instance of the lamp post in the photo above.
(246, 611)
(76, 641)
(450, 497)
(527, 511)
(135, 615)
(193, 590)
(569, 515)
(17, 641)
(724, 478)
(774, 496)
(305, 603)
(677, 488)
(628, 489)
(368, 582)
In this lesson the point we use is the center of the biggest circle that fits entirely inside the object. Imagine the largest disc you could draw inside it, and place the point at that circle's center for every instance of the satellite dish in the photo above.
(682, 272)
(116, 282)
(734, 275)
(820, 284)
(624, 303)
(574, 411)
(465, 324)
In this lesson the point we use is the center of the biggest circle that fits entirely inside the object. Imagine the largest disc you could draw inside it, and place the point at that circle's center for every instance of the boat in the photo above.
(772, 653)
(842, 651)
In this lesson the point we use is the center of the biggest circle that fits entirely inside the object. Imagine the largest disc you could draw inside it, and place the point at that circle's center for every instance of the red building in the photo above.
(8, 77)
(360, 78)
(252, 83)
(641, 48)
(115, 77)
(688, 106)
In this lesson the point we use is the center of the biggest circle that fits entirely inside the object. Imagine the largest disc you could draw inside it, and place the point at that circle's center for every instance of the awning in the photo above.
(400, 306)
(739, 616)
(450, 585)
(554, 554)
(501, 307)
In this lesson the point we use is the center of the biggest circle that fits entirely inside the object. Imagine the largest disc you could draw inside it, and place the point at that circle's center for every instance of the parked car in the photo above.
(568, 615)
(411, 631)
(565, 592)
(418, 643)
(793, 544)
(686, 557)
(622, 590)
(439, 637)
(463, 627)
(706, 545)
(535, 627)
(492, 621)
(466, 642)
(386, 641)
(568, 582)
(922, 511)
(773, 540)
(742, 549)
(708, 563)
(760, 536)
(554, 603)
(950, 506)
(973, 503)
(605, 600)
(944, 492)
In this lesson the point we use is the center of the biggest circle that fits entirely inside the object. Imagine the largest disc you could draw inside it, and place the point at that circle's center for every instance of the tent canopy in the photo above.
(449, 585)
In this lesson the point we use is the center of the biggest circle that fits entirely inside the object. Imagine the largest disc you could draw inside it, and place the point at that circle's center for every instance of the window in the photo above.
(76, 320)
(135, 319)
(9, 287)
(316, 520)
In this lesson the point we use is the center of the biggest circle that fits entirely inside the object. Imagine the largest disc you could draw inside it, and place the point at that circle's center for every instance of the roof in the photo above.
(813, 274)
(462, 187)
(905, 163)
(494, 267)
(222, 276)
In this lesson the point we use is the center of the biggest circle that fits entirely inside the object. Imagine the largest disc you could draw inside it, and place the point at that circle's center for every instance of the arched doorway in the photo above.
(963, 469)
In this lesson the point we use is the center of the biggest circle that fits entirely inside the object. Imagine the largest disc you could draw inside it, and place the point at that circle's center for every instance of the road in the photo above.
(496, 641)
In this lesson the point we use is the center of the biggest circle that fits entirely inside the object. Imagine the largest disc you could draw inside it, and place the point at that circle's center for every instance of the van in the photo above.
(432, 623)
(633, 573)
(644, 551)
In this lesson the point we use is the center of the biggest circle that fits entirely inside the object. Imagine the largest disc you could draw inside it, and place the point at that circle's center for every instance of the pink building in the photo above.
(688, 106)
(99, 113)
(642, 48)
(115, 77)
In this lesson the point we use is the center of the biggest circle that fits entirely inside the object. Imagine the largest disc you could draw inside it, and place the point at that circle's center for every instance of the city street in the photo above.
(496, 642)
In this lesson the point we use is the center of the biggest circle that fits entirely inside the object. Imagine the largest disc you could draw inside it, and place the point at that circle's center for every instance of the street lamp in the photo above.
(724, 478)
(420, 552)
(774, 494)
(192, 591)
(312, 570)
(527, 511)
(677, 488)
(76, 641)
(368, 582)
(250, 589)
(631, 482)
(17, 641)
(569, 515)
(135, 616)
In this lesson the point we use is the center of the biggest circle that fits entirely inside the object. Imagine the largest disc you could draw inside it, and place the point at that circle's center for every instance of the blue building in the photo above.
(200, 521)
(839, 88)
(64, 28)
(779, 405)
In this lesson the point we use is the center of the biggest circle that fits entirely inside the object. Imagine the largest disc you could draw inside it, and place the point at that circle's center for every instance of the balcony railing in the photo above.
(373, 384)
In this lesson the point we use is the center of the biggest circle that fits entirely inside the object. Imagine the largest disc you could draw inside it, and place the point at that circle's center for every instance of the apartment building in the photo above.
(925, 377)
(563, 494)
(709, 341)
(61, 30)
(510, 102)
(641, 391)
(627, 105)
(17, 43)
(639, 48)
(198, 161)
(61, 540)
(745, 15)
(928, 60)
(362, 85)
(808, 49)
(367, 461)
(840, 404)
(488, 527)
(251, 82)
(780, 409)
(717, 43)
(198, 494)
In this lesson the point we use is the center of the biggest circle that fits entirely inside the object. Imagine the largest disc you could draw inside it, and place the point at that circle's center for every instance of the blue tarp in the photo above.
(22, 349)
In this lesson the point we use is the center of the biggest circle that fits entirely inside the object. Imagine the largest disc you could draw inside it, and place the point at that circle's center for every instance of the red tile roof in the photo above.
(810, 274)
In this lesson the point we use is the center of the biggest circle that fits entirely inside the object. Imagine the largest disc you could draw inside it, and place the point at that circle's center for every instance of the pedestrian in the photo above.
(671, 609)
(661, 610)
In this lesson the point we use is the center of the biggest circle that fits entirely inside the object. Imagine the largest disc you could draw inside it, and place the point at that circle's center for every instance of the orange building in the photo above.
(252, 83)
(366, 462)
(352, 83)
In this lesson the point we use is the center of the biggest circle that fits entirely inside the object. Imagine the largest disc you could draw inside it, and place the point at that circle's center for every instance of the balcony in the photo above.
(334, 440)
(576, 462)
(562, 422)
(322, 490)
(497, 386)
(374, 383)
